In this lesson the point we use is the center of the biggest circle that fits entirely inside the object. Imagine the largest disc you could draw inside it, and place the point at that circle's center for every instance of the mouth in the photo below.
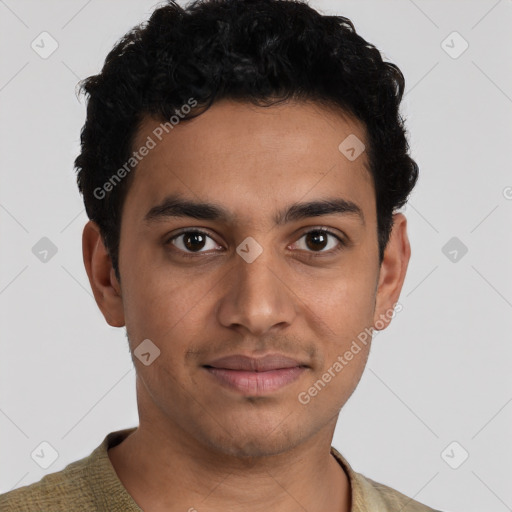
(255, 376)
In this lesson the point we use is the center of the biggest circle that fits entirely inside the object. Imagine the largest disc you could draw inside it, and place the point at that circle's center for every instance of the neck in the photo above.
(169, 470)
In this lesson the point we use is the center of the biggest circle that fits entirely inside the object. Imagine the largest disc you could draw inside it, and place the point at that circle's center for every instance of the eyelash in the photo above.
(342, 243)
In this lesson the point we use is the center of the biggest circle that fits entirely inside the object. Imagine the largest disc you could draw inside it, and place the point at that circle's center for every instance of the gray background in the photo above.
(439, 374)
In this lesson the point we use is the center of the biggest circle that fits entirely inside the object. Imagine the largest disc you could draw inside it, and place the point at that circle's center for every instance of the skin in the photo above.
(200, 445)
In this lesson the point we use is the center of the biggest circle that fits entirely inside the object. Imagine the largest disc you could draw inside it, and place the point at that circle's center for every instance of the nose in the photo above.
(257, 297)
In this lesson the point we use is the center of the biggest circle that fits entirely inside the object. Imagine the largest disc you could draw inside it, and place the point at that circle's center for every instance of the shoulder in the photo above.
(86, 485)
(60, 491)
(367, 494)
(395, 500)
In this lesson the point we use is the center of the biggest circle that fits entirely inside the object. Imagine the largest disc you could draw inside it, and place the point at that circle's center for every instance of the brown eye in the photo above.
(316, 240)
(321, 241)
(192, 241)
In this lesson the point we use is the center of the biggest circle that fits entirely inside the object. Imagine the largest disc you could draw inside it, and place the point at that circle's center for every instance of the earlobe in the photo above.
(392, 272)
(102, 278)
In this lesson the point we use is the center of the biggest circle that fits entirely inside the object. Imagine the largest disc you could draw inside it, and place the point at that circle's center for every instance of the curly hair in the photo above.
(258, 51)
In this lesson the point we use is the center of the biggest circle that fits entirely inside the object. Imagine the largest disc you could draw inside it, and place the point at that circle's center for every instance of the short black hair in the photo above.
(258, 51)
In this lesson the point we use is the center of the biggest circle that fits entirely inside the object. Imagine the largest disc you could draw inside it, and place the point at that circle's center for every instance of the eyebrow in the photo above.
(176, 206)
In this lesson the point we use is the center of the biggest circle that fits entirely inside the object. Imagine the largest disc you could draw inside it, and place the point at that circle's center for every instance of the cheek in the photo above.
(154, 308)
(342, 318)
(171, 307)
(154, 296)
(167, 313)
(341, 313)
(343, 301)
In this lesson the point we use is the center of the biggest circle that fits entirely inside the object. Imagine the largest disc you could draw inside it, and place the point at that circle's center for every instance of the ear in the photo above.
(392, 272)
(104, 283)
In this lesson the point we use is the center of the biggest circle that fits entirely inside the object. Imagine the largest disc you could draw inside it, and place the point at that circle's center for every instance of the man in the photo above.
(242, 162)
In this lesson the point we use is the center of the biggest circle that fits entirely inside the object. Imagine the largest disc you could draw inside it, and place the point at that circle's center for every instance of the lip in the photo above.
(255, 364)
(255, 376)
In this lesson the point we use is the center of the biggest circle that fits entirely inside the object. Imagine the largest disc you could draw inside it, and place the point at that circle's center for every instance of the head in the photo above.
(225, 105)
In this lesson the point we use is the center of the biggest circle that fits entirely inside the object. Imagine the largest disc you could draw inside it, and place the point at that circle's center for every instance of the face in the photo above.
(252, 302)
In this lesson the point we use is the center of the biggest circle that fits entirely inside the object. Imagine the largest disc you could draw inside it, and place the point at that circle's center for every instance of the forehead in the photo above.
(252, 158)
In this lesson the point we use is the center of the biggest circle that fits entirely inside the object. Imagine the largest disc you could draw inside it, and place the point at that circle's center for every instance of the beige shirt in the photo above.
(91, 484)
